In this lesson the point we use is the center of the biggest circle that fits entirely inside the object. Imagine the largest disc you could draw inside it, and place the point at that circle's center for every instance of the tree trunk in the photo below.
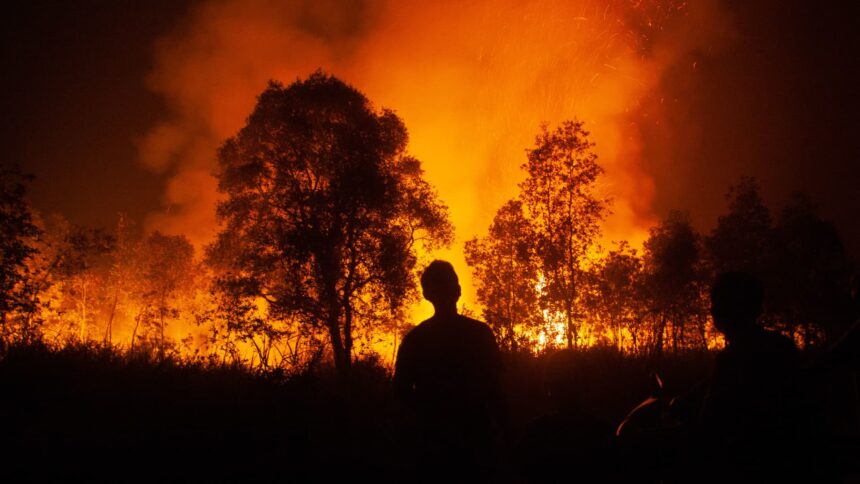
(341, 363)
(571, 333)
(83, 329)
(109, 329)
(634, 339)
(675, 336)
(161, 329)
(3, 331)
(134, 331)
(616, 332)
(661, 328)
(347, 333)
(568, 333)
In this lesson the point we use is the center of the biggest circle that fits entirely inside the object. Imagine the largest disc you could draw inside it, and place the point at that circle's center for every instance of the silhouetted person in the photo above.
(837, 390)
(572, 439)
(447, 372)
(748, 420)
(845, 353)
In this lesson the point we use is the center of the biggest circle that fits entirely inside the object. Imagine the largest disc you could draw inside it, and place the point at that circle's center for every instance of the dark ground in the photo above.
(85, 413)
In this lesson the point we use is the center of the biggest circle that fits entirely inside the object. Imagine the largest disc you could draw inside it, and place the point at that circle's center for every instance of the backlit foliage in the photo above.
(325, 216)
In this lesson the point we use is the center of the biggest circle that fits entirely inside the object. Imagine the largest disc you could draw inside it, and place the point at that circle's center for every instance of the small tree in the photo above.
(167, 274)
(63, 287)
(79, 275)
(673, 280)
(122, 273)
(506, 272)
(323, 209)
(560, 198)
(614, 297)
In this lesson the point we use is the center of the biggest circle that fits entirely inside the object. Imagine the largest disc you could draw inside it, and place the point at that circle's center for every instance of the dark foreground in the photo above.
(92, 414)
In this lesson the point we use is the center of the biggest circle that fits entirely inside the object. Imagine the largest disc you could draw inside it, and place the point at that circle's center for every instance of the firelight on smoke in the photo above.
(473, 82)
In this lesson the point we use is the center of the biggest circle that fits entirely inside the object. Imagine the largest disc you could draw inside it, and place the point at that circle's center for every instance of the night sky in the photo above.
(779, 102)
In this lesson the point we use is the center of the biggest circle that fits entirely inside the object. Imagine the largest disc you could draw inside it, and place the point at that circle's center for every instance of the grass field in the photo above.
(87, 412)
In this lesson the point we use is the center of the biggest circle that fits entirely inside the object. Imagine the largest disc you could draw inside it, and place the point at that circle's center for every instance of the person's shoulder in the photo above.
(468, 320)
(475, 325)
(479, 330)
(774, 341)
(778, 349)
(421, 327)
(417, 332)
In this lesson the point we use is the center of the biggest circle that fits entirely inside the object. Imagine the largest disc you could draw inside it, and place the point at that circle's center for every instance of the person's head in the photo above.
(440, 284)
(736, 302)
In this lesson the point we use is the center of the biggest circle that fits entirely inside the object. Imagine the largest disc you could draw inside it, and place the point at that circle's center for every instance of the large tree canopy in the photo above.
(323, 209)
(740, 240)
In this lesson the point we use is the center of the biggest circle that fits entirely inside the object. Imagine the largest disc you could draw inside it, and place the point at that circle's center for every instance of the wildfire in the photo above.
(472, 87)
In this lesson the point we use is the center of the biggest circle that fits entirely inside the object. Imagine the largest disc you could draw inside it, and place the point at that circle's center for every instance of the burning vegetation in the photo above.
(325, 219)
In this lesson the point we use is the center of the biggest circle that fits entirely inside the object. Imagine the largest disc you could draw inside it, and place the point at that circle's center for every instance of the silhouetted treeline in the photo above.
(654, 300)
(142, 292)
(325, 217)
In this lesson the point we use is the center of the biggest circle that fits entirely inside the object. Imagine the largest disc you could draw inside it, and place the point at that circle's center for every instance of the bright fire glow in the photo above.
(473, 81)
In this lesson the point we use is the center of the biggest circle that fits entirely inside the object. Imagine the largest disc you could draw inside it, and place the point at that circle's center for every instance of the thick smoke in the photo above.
(472, 80)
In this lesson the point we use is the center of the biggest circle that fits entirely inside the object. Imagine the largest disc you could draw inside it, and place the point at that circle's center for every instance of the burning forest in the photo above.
(325, 218)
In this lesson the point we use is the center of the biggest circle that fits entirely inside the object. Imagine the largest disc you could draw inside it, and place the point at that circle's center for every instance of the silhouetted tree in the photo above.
(122, 272)
(167, 270)
(506, 273)
(561, 202)
(17, 234)
(63, 287)
(809, 289)
(77, 272)
(673, 280)
(740, 241)
(614, 295)
(323, 208)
